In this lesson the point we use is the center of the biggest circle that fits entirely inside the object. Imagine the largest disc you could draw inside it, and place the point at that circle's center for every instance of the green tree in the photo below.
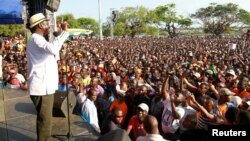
(11, 29)
(167, 16)
(106, 29)
(88, 23)
(244, 17)
(119, 29)
(153, 31)
(153, 22)
(134, 19)
(218, 18)
(70, 19)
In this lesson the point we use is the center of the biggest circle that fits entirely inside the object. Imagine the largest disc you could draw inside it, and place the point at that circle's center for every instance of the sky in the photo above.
(11, 5)
(11, 12)
(89, 8)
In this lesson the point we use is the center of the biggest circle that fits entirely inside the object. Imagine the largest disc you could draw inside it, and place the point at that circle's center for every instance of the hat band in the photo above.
(37, 22)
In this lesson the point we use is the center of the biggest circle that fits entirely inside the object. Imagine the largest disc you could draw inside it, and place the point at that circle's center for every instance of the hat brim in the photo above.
(229, 73)
(143, 107)
(37, 22)
(248, 103)
(228, 94)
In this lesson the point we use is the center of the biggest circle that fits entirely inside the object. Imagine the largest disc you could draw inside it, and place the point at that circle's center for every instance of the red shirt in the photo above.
(137, 128)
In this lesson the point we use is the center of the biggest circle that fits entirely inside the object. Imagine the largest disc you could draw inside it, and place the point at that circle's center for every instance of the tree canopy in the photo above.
(167, 16)
(133, 19)
(11, 29)
(140, 20)
(218, 18)
(83, 22)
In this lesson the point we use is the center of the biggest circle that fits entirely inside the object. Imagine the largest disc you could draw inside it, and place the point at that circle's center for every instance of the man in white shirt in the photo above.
(172, 114)
(43, 71)
(89, 110)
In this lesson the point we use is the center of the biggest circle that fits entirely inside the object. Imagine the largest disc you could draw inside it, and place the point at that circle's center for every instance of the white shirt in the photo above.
(89, 112)
(188, 111)
(168, 123)
(119, 90)
(80, 98)
(42, 64)
(20, 77)
(151, 137)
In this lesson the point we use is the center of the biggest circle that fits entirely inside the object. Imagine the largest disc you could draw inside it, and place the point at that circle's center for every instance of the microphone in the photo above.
(56, 33)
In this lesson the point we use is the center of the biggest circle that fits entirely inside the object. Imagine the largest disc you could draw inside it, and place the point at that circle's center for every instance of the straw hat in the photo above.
(78, 54)
(36, 19)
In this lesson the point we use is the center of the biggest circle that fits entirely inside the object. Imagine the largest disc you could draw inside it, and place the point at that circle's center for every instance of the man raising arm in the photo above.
(43, 71)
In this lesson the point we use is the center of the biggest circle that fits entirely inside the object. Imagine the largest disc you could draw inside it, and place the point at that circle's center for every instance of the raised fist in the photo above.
(64, 26)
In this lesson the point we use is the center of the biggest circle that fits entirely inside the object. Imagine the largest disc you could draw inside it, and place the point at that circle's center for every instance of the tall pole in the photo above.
(100, 20)
(111, 23)
(25, 19)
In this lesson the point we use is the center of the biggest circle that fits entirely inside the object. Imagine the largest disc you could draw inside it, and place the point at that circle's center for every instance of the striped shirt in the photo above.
(203, 122)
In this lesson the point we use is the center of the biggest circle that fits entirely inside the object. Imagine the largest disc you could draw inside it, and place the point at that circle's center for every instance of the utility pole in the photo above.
(112, 22)
(100, 20)
(25, 19)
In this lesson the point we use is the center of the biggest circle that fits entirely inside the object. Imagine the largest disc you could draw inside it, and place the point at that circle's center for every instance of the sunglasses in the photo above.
(118, 116)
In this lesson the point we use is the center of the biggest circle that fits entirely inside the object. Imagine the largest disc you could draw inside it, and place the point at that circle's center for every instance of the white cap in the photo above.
(236, 100)
(209, 72)
(248, 103)
(232, 72)
(144, 107)
(226, 91)
(197, 75)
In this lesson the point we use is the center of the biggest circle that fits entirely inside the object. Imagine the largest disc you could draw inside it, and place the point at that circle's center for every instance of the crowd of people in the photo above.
(154, 88)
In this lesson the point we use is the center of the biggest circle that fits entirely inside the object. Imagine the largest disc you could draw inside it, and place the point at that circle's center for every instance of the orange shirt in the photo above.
(222, 109)
(244, 94)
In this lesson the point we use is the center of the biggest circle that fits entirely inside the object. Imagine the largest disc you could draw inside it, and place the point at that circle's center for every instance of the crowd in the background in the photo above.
(14, 62)
(157, 88)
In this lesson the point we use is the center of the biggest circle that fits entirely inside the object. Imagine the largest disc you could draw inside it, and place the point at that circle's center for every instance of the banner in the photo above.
(11, 12)
(232, 46)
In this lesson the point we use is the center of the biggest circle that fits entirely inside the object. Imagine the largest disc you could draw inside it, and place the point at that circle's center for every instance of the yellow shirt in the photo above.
(86, 81)
(222, 109)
